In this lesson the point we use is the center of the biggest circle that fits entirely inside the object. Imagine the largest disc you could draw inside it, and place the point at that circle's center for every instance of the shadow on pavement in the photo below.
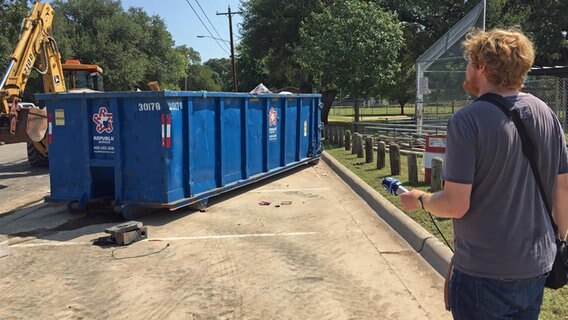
(52, 221)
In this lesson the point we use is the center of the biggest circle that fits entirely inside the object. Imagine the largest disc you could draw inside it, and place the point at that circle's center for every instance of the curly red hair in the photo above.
(507, 55)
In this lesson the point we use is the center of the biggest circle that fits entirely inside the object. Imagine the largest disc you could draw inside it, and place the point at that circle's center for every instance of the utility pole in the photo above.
(230, 14)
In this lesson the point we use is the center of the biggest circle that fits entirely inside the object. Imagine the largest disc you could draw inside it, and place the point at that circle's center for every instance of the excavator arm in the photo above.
(29, 124)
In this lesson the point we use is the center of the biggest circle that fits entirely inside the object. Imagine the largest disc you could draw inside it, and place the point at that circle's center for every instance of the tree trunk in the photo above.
(306, 86)
(327, 98)
(401, 108)
(356, 107)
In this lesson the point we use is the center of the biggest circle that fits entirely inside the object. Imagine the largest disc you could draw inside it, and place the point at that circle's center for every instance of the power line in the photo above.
(207, 17)
(198, 17)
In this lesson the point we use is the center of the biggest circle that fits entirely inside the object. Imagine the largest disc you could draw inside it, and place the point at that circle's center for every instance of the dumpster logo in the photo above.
(103, 120)
(272, 115)
(272, 131)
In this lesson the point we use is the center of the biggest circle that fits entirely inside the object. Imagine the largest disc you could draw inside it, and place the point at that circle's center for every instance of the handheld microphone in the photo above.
(394, 186)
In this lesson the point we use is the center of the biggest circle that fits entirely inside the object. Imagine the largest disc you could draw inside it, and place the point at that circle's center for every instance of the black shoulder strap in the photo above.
(529, 148)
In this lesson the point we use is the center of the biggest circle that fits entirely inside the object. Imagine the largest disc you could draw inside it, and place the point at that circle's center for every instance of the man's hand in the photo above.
(410, 200)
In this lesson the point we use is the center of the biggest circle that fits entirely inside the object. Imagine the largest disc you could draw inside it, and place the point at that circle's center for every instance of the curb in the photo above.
(428, 246)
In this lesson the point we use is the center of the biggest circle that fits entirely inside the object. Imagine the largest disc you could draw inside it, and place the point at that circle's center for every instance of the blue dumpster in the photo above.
(171, 149)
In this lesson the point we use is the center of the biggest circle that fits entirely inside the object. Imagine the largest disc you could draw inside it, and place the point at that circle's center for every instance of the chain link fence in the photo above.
(552, 90)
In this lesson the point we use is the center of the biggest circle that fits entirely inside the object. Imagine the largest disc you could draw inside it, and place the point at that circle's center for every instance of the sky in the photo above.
(184, 25)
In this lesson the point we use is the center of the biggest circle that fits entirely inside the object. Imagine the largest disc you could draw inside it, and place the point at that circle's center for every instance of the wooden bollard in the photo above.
(360, 147)
(436, 181)
(347, 140)
(340, 135)
(412, 169)
(394, 155)
(381, 154)
(369, 149)
(332, 135)
(354, 143)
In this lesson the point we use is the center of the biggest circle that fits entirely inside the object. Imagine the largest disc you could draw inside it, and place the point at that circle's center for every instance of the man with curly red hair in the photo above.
(504, 242)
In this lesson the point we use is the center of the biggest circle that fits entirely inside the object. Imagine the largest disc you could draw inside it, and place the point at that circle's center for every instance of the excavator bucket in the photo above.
(31, 127)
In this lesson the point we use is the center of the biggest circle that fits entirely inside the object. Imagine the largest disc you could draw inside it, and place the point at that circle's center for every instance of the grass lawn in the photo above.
(555, 304)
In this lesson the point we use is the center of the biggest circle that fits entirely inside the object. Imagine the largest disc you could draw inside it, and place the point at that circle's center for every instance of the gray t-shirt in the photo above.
(506, 233)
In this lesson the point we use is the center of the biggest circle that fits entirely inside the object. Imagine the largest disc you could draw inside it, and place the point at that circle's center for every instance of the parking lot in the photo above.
(316, 251)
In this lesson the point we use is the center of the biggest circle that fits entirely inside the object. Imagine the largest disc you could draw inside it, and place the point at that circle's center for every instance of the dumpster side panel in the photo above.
(203, 136)
(174, 161)
(232, 140)
(275, 133)
(70, 177)
(142, 157)
(291, 131)
(305, 106)
(256, 136)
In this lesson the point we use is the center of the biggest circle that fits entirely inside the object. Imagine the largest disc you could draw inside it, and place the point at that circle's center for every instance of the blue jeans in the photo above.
(487, 299)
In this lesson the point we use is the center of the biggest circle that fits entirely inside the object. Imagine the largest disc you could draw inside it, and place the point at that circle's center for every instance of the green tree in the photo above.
(545, 21)
(423, 21)
(12, 12)
(132, 47)
(198, 76)
(352, 46)
(222, 68)
(269, 37)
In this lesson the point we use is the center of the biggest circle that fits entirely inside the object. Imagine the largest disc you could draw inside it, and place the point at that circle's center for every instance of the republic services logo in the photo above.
(272, 116)
(103, 120)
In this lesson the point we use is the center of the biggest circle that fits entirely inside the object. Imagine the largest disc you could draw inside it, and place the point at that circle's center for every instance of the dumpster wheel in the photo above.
(75, 207)
(125, 210)
(200, 205)
(314, 162)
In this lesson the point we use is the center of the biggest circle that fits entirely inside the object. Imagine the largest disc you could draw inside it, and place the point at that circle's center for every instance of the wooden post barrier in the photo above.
(381, 155)
(368, 149)
(347, 140)
(332, 135)
(360, 147)
(394, 155)
(355, 140)
(436, 182)
(412, 168)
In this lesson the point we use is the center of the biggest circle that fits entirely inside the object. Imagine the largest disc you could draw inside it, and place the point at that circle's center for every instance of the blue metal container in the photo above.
(172, 149)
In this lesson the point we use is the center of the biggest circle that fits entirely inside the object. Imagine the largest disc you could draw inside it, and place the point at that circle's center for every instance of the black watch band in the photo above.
(421, 201)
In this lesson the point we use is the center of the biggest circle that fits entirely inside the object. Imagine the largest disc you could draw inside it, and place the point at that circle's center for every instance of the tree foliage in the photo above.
(424, 21)
(351, 45)
(269, 36)
(199, 76)
(132, 47)
(12, 12)
(545, 21)
(222, 69)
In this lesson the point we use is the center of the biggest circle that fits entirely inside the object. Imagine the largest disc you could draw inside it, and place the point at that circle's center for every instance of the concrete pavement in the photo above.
(325, 255)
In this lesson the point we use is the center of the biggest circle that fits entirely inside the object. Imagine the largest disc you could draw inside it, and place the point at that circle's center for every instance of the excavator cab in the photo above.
(80, 76)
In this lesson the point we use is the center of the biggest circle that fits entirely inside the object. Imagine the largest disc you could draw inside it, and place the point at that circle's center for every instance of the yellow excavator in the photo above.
(25, 122)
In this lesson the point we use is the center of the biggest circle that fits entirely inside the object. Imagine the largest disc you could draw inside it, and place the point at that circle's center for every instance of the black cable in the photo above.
(203, 23)
(211, 23)
(440, 231)
(139, 256)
